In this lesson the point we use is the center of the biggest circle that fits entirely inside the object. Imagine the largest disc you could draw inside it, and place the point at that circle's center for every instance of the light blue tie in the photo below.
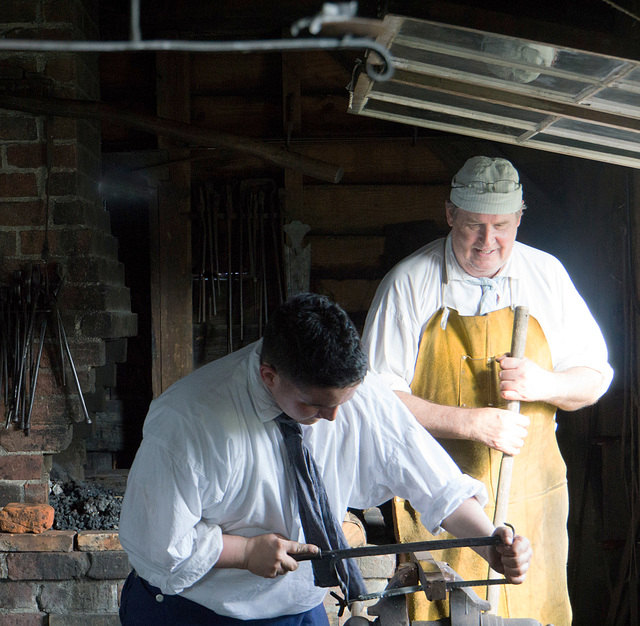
(489, 293)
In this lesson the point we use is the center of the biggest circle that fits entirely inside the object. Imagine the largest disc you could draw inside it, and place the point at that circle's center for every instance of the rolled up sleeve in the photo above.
(168, 542)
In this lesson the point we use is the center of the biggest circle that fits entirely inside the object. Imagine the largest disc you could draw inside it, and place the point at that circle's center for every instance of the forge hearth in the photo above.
(83, 505)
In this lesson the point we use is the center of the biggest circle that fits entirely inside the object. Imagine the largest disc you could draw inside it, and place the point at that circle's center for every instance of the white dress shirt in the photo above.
(431, 279)
(212, 462)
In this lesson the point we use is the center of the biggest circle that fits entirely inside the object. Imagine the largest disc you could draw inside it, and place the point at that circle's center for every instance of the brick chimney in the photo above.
(49, 174)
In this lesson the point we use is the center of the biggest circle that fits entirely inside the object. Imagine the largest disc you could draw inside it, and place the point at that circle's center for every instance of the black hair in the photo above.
(311, 341)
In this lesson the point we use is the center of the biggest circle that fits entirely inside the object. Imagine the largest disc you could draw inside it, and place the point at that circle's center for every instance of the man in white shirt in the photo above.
(210, 516)
(437, 332)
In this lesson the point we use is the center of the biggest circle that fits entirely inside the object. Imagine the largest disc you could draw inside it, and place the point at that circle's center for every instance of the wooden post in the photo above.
(297, 260)
(170, 227)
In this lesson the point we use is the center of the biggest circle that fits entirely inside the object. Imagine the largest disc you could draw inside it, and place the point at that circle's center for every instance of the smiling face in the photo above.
(305, 405)
(482, 243)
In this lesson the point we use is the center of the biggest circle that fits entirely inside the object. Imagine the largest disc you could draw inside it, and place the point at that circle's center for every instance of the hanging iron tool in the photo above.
(240, 215)
(264, 300)
(229, 209)
(25, 307)
(253, 271)
(213, 268)
(202, 293)
(276, 222)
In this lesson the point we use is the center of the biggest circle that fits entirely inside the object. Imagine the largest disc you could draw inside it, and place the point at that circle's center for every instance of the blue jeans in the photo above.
(139, 607)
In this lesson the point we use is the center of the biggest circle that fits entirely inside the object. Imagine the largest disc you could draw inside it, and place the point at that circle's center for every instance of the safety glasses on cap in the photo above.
(480, 186)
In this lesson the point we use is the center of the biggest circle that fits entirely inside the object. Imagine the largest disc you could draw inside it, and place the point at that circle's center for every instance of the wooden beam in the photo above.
(174, 130)
(171, 299)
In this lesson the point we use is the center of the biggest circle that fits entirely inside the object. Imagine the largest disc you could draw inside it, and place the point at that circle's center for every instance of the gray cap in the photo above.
(487, 185)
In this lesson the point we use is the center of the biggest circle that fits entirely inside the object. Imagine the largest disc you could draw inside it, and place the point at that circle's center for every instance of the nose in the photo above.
(328, 414)
(487, 235)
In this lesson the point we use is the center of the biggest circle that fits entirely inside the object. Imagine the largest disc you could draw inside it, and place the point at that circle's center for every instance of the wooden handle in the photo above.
(518, 341)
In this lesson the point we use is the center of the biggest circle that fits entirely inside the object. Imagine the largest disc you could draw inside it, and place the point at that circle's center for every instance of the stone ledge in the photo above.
(96, 540)
(48, 541)
(83, 619)
(23, 619)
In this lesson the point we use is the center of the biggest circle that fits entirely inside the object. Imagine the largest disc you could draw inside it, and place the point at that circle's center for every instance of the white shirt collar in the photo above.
(264, 404)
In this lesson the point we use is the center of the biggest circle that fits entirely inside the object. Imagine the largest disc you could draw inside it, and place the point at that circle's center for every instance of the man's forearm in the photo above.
(502, 430)
(524, 381)
(576, 388)
(234, 548)
(447, 422)
(470, 520)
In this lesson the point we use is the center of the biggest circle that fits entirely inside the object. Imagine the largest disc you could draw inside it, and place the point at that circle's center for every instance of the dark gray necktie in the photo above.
(318, 522)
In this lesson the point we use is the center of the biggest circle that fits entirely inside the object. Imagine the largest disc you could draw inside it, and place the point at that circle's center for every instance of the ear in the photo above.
(519, 219)
(449, 215)
(268, 375)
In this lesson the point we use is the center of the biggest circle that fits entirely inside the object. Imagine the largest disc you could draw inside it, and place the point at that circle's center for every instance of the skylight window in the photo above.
(508, 90)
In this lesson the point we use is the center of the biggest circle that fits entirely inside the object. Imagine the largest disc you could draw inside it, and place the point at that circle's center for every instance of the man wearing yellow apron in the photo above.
(438, 331)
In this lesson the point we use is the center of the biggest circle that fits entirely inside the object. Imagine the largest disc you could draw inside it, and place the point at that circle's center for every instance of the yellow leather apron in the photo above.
(456, 366)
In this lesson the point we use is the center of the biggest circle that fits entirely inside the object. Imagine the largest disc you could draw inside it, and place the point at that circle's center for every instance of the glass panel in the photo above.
(526, 78)
(423, 117)
(448, 35)
(594, 133)
(584, 147)
(616, 101)
(595, 66)
(633, 77)
(425, 98)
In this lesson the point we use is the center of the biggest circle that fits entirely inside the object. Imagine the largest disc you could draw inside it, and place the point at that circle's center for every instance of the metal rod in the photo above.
(135, 21)
(400, 548)
(34, 376)
(229, 208)
(449, 584)
(265, 45)
(213, 311)
(72, 366)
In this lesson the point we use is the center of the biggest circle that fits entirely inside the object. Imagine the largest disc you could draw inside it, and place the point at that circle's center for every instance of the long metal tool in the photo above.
(400, 548)
(518, 342)
(67, 350)
(229, 208)
(213, 268)
(202, 300)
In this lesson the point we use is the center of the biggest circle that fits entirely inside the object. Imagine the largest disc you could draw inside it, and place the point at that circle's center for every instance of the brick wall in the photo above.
(64, 578)
(56, 198)
(61, 578)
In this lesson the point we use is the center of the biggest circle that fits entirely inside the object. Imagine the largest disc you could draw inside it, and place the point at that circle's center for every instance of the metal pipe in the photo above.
(134, 22)
(260, 45)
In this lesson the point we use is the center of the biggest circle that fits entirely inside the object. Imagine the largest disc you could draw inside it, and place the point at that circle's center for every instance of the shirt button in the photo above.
(159, 597)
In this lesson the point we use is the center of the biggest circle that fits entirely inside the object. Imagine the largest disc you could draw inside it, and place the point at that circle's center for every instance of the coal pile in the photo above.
(84, 506)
